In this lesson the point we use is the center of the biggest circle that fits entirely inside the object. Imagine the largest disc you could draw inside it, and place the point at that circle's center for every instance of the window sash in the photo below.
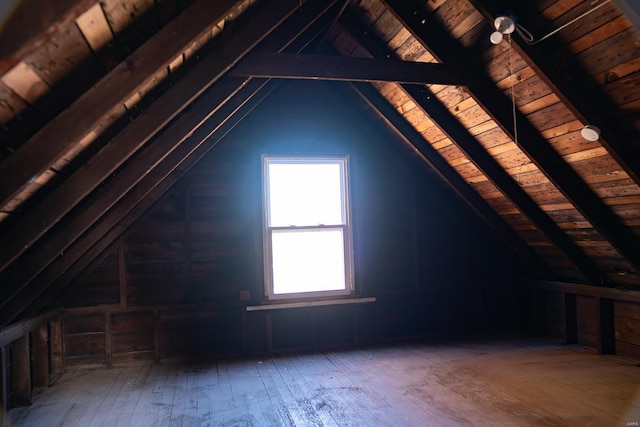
(268, 231)
(315, 267)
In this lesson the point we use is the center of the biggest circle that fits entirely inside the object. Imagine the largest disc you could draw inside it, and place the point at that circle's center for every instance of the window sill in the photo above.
(316, 303)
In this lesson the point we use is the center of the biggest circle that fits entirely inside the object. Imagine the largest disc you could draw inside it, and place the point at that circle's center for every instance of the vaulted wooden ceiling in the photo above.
(105, 104)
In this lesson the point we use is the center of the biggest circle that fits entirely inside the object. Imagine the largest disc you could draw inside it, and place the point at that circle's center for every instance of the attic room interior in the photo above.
(327, 212)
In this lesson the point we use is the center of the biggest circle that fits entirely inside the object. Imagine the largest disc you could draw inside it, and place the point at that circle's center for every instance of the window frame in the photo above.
(346, 227)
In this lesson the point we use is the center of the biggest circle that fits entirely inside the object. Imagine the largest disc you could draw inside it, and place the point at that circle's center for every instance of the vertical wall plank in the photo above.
(191, 291)
(6, 378)
(122, 275)
(269, 324)
(569, 319)
(415, 241)
(56, 347)
(606, 327)
(108, 346)
(156, 336)
(20, 372)
(40, 356)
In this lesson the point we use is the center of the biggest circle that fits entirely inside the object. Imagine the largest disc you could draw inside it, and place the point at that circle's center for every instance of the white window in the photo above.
(307, 231)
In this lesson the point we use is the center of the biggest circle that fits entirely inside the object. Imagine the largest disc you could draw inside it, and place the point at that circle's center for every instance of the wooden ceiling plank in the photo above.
(39, 220)
(32, 23)
(473, 150)
(531, 142)
(67, 268)
(135, 203)
(130, 21)
(579, 101)
(501, 179)
(342, 68)
(52, 141)
(66, 64)
(295, 35)
(96, 31)
(26, 83)
(25, 268)
(448, 174)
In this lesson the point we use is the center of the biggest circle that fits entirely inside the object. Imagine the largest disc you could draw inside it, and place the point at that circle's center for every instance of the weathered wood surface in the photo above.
(428, 103)
(216, 207)
(304, 28)
(92, 107)
(535, 98)
(464, 382)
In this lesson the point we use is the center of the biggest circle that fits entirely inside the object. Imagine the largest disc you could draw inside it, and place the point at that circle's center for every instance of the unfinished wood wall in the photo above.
(178, 282)
(605, 319)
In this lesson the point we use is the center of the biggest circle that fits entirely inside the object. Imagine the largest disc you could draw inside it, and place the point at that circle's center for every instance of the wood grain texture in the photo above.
(93, 105)
(498, 381)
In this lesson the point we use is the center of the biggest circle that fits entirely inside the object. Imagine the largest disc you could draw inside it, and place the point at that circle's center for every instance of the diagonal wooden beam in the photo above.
(415, 141)
(75, 123)
(467, 143)
(137, 201)
(25, 268)
(294, 35)
(589, 109)
(89, 176)
(342, 68)
(440, 43)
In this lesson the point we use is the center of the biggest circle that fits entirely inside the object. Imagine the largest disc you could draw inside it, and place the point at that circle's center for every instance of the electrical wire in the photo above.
(529, 39)
(513, 104)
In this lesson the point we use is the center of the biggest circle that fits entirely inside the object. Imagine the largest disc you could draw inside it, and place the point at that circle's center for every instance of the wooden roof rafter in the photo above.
(109, 227)
(71, 191)
(80, 119)
(295, 35)
(582, 106)
(410, 136)
(425, 99)
(440, 43)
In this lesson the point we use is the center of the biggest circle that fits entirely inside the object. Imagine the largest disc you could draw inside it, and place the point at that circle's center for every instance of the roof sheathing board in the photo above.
(538, 102)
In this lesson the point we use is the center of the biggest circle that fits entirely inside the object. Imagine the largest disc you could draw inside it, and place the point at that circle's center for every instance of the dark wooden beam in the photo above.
(467, 143)
(70, 192)
(68, 229)
(105, 222)
(5, 392)
(587, 290)
(504, 182)
(21, 391)
(569, 318)
(295, 35)
(40, 356)
(586, 104)
(606, 332)
(440, 43)
(342, 68)
(77, 121)
(60, 274)
(56, 349)
(13, 332)
(414, 140)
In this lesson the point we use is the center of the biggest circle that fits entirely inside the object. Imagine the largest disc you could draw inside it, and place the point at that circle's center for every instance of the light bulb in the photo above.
(590, 133)
(496, 37)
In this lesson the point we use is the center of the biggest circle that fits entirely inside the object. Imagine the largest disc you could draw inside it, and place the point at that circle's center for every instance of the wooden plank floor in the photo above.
(513, 382)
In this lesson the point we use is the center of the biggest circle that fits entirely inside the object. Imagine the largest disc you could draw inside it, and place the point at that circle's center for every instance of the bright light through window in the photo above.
(307, 234)
(307, 261)
(305, 194)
